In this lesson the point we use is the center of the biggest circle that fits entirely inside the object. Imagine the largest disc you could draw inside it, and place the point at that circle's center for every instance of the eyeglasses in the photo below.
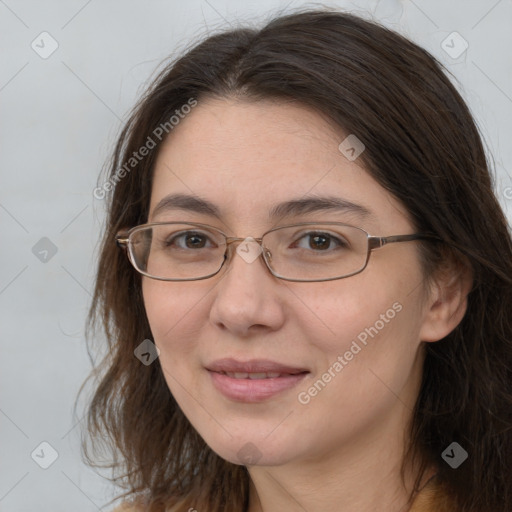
(310, 251)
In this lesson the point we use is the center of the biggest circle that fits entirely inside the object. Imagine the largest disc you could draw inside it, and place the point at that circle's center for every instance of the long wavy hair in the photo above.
(422, 145)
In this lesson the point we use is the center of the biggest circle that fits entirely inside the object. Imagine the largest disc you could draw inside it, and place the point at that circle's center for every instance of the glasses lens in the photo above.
(177, 251)
(316, 252)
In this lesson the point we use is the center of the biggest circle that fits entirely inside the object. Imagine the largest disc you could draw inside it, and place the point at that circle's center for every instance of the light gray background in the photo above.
(58, 120)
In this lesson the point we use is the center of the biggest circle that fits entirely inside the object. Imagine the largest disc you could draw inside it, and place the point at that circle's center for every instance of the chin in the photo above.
(248, 450)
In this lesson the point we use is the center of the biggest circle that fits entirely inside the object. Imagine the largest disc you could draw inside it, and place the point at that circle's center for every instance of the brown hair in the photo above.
(422, 145)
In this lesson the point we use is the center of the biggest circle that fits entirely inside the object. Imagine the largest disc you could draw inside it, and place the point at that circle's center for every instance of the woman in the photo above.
(267, 352)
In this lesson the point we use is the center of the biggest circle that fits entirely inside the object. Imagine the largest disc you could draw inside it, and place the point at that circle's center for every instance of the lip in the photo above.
(253, 366)
(253, 390)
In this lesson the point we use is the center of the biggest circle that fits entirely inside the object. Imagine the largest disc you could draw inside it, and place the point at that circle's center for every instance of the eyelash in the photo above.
(331, 237)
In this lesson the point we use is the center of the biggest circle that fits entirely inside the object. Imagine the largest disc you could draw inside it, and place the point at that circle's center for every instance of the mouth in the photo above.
(255, 380)
(255, 376)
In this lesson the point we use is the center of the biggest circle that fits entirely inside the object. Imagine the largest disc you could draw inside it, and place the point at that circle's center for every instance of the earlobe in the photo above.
(447, 303)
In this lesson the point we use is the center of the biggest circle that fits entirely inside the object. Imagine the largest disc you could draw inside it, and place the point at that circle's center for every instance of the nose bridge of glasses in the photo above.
(267, 255)
(231, 240)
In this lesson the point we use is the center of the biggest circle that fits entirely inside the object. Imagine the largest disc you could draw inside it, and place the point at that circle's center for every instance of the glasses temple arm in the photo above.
(375, 242)
(122, 241)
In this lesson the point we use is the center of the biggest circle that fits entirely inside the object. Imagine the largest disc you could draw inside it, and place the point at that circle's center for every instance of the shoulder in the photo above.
(128, 507)
(433, 498)
(137, 507)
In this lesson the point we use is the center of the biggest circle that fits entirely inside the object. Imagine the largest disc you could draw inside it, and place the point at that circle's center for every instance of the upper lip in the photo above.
(252, 366)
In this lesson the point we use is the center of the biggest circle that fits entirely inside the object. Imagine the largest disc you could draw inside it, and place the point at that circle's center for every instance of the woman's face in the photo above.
(347, 351)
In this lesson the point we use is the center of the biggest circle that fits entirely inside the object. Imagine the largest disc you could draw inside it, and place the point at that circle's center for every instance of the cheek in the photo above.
(369, 320)
(171, 308)
(365, 362)
(342, 310)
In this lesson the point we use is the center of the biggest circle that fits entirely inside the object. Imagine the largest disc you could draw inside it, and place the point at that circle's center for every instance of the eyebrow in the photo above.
(294, 207)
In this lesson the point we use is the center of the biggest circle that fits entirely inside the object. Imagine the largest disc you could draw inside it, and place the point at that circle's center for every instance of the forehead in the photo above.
(247, 157)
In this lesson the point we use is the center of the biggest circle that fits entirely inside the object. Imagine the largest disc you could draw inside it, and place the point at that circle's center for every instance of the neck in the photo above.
(364, 476)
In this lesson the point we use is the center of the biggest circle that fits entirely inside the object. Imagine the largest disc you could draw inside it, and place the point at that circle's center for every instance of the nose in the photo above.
(247, 297)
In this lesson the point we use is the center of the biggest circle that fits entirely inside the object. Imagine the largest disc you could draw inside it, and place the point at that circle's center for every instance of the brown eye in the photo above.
(188, 240)
(319, 242)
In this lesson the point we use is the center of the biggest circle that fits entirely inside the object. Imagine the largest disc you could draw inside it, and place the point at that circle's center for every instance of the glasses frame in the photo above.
(123, 241)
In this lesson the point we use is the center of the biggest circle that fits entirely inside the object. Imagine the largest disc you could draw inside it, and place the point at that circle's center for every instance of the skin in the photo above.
(342, 450)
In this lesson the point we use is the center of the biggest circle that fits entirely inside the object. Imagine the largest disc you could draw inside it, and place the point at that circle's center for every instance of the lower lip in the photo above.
(253, 390)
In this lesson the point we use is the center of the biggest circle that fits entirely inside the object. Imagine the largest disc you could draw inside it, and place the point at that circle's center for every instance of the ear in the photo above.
(447, 301)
